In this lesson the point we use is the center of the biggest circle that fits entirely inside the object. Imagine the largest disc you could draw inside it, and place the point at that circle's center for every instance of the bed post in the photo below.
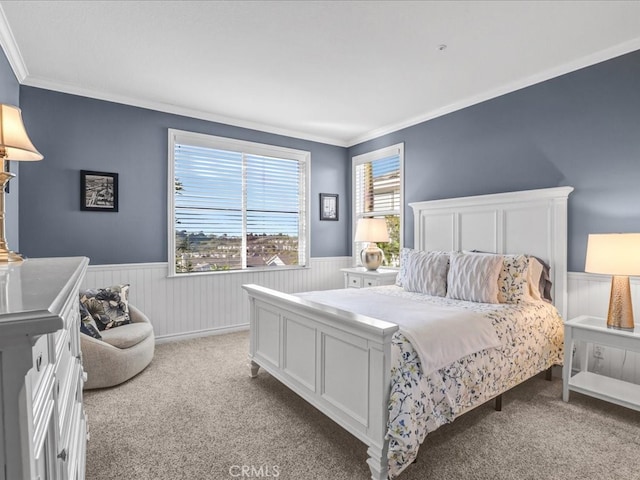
(254, 367)
(379, 393)
(548, 375)
(378, 461)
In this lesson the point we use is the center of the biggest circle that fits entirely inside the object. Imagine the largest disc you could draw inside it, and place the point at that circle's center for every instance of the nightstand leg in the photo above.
(568, 363)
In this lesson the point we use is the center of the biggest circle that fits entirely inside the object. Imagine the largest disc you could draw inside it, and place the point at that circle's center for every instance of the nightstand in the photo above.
(588, 329)
(360, 277)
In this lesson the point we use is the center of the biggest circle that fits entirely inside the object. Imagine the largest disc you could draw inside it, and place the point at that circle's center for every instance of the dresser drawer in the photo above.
(73, 441)
(77, 467)
(71, 308)
(354, 281)
(44, 432)
(64, 345)
(70, 314)
(41, 358)
(67, 373)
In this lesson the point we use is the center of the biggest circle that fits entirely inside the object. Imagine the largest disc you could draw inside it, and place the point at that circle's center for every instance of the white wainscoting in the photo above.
(589, 295)
(183, 307)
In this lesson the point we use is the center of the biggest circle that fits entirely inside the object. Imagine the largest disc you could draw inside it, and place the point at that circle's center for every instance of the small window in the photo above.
(377, 192)
(235, 205)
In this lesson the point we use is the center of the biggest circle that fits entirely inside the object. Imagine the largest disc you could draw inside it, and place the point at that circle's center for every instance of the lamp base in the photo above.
(371, 256)
(620, 314)
(7, 256)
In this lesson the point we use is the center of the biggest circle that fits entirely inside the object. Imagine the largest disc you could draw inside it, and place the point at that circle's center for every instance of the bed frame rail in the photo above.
(338, 361)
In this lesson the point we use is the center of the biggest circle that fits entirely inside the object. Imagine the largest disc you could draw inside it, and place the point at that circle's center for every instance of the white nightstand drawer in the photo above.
(359, 277)
(354, 281)
(370, 282)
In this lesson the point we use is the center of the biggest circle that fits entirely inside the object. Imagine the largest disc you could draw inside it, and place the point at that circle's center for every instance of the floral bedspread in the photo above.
(532, 340)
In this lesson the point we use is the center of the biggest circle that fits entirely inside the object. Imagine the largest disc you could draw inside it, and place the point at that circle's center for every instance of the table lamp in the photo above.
(616, 254)
(14, 145)
(371, 230)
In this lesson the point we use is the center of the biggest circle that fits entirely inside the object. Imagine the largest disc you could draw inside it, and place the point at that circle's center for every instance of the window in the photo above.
(377, 192)
(235, 205)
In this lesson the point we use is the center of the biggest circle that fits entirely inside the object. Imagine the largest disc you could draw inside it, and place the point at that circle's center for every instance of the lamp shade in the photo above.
(613, 254)
(14, 141)
(372, 230)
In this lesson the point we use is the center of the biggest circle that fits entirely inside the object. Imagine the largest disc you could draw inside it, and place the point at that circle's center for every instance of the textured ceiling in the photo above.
(336, 72)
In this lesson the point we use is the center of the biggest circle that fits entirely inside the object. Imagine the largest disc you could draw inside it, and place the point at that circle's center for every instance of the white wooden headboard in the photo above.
(531, 221)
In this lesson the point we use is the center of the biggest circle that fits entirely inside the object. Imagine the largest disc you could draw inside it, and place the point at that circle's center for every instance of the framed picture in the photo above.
(328, 206)
(98, 191)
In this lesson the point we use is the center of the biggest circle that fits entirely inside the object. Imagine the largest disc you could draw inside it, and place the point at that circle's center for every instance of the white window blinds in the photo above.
(377, 187)
(377, 192)
(236, 205)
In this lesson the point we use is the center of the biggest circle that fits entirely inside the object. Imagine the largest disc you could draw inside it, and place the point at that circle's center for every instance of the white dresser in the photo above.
(43, 421)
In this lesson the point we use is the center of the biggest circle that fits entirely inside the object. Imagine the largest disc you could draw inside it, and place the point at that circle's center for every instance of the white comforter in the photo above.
(439, 334)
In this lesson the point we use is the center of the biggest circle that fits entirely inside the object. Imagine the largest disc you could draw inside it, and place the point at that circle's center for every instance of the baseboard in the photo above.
(176, 337)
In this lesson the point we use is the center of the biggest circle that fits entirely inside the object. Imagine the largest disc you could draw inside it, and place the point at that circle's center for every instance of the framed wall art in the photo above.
(98, 191)
(329, 206)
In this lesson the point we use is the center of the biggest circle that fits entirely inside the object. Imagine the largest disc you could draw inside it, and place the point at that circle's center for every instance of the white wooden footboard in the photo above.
(338, 361)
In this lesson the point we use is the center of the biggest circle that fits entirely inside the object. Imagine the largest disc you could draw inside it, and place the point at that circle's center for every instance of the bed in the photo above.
(347, 364)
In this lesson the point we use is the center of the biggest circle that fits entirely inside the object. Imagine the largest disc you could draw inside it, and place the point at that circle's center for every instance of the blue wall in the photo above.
(76, 133)
(581, 129)
(10, 94)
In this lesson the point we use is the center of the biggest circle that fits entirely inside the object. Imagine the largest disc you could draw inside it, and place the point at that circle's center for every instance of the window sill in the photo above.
(235, 272)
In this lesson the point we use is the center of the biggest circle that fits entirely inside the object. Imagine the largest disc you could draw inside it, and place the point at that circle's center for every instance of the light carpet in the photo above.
(195, 414)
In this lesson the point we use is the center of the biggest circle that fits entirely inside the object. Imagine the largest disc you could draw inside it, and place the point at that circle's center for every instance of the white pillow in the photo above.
(425, 272)
(474, 277)
(534, 272)
(405, 253)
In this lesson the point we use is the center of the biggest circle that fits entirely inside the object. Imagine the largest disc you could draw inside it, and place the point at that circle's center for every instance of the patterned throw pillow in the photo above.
(109, 307)
(87, 324)
(402, 274)
(513, 280)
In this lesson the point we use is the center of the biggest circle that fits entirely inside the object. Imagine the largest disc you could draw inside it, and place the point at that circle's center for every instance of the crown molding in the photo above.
(33, 81)
(592, 59)
(11, 50)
